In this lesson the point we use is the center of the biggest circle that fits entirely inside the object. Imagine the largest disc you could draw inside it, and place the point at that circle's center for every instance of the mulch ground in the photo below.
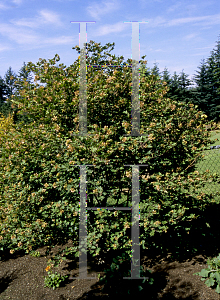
(22, 276)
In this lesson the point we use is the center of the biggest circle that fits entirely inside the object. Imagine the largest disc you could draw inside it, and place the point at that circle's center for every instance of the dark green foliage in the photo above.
(2, 91)
(166, 77)
(156, 71)
(207, 92)
(212, 273)
(203, 93)
(116, 285)
(4, 106)
(7, 89)
(25, 74)
(10, 78)
(39, 173)
(11, 87)
(179, 86)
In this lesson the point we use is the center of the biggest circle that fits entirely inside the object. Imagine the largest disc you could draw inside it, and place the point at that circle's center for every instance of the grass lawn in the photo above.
(211, 161)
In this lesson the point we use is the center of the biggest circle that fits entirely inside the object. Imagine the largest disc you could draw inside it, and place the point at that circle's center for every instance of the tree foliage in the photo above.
(179, 86)
(2, 91)
(207, 93)
(7, 88)
(39, 175)
(10, 78)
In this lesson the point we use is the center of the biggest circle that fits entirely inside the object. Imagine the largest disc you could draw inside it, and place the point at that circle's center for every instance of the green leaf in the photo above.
(210, 282)
(204, 273)
(217, 276)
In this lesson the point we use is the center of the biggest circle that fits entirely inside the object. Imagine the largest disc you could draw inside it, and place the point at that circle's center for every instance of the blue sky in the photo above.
(178, 35)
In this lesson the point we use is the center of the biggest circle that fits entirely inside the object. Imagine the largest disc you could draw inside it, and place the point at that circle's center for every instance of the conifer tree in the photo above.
(184, 88)
(2, 91)
(10, 78)
(203, 92)
(207, 93)
(216, 65)
(214, 69)
(156, 71)
(24, 75)
(7, 89)
(166, 76)
(174, 87)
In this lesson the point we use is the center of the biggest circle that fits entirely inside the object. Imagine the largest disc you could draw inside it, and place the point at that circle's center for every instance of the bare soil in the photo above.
(22, 276)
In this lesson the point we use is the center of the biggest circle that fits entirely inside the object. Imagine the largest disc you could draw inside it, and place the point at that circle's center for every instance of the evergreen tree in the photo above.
(214, 62)
(216, 65)
(25, 74)
(179, 86)
(2, 91)
(166, 76)
(207, 95)
(203, 93)
(10, 78)
(185, 94)
(7, 88)
(12, 84)
(156, 71)
(144, 70)
(174, 87)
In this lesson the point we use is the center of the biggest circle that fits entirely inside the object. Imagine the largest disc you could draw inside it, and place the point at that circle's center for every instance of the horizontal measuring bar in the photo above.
(109, 65)
(136, 136)
(109, 208)
(82, 21)
(93, 134)
(124, 165)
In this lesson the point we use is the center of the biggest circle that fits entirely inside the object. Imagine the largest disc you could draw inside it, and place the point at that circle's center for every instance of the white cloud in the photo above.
(44, 17)
(174, 7)
(28, 39)
(97, 10)
(203, 20)
(106, 29)
(199, 54)
(60, 40)
(213, 19)
(49, 17)
(192, 7)
(176, 22)
(3, 6)
(156, 50)
(209, 47)
(3, 48)
(156, 22)
(18, 35)
(26, 22)
(64, 0)
(189, 37)
(17, 1)
(158, 61)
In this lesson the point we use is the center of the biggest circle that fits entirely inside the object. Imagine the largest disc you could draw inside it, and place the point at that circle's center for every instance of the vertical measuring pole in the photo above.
(82, 77)
(135, 113)
(83, 226)
(135, 265)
